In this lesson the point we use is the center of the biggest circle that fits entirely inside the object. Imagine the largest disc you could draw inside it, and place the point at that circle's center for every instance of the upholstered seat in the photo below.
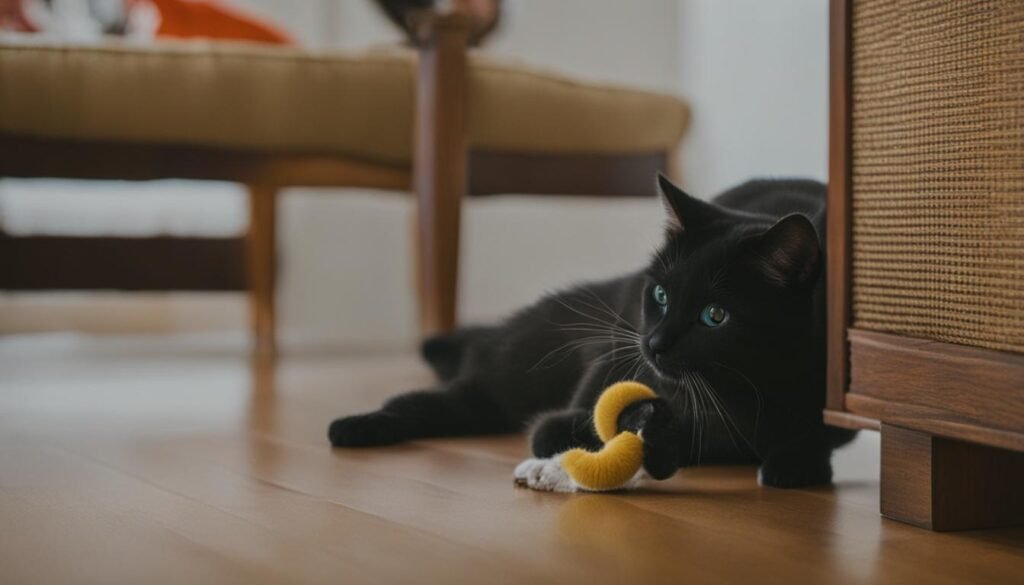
(360, 105)
(443, 126)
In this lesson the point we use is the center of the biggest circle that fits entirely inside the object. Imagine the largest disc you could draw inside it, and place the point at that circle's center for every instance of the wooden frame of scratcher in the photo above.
(951, 414)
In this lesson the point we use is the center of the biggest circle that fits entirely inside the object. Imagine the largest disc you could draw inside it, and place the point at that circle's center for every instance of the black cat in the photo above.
(726, 324)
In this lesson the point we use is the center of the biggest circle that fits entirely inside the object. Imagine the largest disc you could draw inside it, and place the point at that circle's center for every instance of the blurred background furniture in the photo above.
(926, 252)
(445, 125)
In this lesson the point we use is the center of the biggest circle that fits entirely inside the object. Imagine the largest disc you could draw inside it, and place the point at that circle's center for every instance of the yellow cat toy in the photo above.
(623, 452)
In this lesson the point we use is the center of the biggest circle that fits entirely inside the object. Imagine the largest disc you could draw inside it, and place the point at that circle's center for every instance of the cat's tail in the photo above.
(446, 352)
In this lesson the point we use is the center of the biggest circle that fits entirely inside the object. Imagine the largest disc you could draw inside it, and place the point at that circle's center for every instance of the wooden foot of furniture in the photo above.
(262, 262)
(944, 484)
(439, 170)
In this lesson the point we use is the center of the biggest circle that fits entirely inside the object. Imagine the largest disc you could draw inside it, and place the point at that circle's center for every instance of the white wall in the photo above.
(756, 75)
(754, 71)
(630, 42)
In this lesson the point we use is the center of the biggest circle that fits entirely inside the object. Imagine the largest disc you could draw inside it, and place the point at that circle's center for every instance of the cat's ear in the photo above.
(788, 254)
(684, 211)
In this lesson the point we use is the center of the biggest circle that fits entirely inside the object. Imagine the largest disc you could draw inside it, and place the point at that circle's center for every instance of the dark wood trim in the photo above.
(130, 264)
(838, 213)
(846, 420)
(944, 484)
(610, 175)
(932, 420)
(490, 172)
(440, 166)
(953, 390)
(25, 156)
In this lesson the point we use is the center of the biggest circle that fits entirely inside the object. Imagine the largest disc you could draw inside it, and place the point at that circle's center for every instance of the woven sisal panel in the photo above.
(938, 170)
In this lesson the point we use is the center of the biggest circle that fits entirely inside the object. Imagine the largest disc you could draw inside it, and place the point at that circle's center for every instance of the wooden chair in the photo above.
(272, 117)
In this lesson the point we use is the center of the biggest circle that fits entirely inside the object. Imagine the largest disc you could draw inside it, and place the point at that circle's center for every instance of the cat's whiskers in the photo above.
(705, 413)
(634, 368)
(642, 366)
(628, 370)
(568, 347)
(618, 320)
(602, 330)
(753, 386)
(575, 344)
(713, 400)
(723, 413)
(696, 415)
(584, 328)
(619, 362)
(615, 350)
(608, 310)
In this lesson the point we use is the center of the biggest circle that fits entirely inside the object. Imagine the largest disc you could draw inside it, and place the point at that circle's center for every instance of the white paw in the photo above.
(544, 475)
(636, 480)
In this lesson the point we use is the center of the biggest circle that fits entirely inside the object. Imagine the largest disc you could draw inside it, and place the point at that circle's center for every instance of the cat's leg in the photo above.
(799, 463)
(559, 431)
(457, 408)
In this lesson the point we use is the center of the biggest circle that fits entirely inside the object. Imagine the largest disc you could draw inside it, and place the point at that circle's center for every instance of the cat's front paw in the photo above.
(544, 474)
(366, 430)
(663, 441)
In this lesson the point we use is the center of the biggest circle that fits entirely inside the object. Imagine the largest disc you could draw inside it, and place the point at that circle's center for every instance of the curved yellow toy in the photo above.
(623, 453)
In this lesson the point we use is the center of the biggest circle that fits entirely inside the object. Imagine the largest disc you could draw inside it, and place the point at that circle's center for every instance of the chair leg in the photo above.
(439, 171)
(262, 263)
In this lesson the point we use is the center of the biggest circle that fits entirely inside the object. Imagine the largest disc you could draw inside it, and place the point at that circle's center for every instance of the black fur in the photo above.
(750, 390)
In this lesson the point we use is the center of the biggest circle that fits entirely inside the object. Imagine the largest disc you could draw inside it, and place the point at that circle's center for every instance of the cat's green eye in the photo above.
(713, 315)
(660, 295)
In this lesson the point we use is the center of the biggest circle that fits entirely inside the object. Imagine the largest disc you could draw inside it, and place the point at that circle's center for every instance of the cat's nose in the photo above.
(659, 342)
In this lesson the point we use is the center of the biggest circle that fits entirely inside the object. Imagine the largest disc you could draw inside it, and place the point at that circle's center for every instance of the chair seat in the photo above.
(275, 99)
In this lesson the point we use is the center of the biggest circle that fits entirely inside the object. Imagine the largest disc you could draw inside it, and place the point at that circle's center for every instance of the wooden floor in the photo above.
(147, 461)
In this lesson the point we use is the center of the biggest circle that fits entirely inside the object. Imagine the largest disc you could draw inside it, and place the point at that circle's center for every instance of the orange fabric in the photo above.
(211, 19)
(12, 17)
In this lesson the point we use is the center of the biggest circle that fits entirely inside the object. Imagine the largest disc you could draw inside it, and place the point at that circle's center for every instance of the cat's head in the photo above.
(728, 290)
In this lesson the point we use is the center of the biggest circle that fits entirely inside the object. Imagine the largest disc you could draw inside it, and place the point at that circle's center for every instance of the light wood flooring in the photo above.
(163, 460)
